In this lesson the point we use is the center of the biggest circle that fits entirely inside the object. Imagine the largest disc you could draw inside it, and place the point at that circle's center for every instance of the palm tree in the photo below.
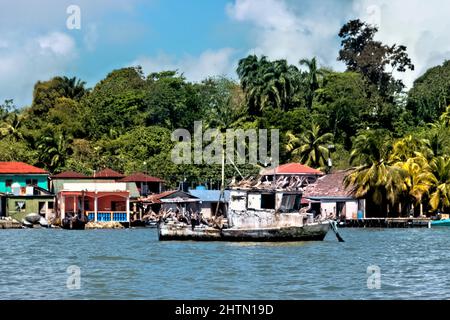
(410, 147)
(10, 126)
(74, 88)
(54, 150)
(312, 79)
(374, 176)
(311, 148)
(267, 83)
(417, 179)
(440, 192)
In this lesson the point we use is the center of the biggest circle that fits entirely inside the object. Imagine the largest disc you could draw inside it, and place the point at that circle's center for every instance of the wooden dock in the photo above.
(385, 223)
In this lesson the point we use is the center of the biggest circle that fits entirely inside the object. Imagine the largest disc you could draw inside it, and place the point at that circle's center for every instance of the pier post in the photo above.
(128, 209)
(95, 208)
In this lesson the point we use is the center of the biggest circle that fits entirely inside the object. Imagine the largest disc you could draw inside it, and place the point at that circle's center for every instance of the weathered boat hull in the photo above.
(184, 232)
(73, 224)
(312, 232)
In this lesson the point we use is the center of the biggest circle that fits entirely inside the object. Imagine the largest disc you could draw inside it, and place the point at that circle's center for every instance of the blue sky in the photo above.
(198, 37)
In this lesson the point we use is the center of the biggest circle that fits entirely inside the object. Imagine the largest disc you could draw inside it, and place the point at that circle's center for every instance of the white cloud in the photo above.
(291, 31)
(57, 43)
(195, 68)
(420, 25)
(32, 59)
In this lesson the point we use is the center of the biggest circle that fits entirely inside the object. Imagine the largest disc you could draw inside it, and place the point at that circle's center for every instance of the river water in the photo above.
(133, 264)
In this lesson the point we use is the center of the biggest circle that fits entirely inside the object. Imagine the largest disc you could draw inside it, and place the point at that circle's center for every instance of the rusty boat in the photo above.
(270, 212)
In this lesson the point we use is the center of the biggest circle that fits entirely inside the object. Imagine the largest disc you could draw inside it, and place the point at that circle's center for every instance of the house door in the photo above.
(42, 208)
(340, 210)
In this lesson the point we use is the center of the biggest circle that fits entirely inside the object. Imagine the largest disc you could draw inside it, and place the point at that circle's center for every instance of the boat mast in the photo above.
(222, 187)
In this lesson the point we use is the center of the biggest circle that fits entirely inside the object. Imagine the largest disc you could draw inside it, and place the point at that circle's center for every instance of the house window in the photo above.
(32, 182)
(8, 183)
(268, 201)
(50, 205)
(20, 206)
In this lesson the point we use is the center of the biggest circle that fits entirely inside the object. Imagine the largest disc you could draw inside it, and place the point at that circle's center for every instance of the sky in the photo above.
(199, 38)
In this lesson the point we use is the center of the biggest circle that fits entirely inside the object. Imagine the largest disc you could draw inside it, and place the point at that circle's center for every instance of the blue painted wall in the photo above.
(21, 179)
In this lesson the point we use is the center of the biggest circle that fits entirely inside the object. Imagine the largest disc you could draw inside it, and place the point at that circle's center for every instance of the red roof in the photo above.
(292, 168)
(19, 168)
(140, 177)
(108, 173)
(69, 175)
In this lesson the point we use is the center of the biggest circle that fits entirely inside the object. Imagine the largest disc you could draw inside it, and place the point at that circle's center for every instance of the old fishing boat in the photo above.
(257, 211)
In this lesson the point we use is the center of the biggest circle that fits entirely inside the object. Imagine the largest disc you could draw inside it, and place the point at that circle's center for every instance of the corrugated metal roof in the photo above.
(330, 186)
(210, 195)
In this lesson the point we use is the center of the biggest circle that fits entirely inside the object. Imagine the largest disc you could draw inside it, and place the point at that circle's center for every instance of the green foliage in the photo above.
(397, 144)
(361, 53)
(430, 94)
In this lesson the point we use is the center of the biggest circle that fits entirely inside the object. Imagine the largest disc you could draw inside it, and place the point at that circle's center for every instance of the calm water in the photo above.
(132, 264)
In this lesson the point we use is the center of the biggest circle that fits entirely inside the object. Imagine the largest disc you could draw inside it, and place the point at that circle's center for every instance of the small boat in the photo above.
(44, 223)
(440, 223)
(33, 218)
(256, 215)
(26, 224)
(74, 223)
(151, 223)
(137, 223)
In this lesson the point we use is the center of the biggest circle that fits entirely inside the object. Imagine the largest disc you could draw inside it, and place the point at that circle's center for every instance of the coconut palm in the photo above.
(74, 88)
(10, 126)
(267, 83)
(310, 148)
(54, 150)
(374, 176)
(440, 192)
(417, 179)
(312, 79)
(410, 147)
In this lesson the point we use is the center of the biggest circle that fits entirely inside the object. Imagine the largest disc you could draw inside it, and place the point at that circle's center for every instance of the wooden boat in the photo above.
(44, 223)
(440, 223)
(256, 215)
(26, 224)
(33, 218)
(74, 222)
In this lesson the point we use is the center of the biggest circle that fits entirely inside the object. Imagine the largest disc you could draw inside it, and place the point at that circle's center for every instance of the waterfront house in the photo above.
(100, 201)
(24, 190)
(145, 184)
(306, 174)
(171, 200)
(101, 178)
(328, 196)
(209, 200)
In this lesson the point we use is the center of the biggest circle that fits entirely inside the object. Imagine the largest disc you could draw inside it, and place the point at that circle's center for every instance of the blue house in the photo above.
(24, 190)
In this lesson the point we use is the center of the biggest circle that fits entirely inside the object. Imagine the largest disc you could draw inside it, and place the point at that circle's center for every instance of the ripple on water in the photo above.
(132, 264)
